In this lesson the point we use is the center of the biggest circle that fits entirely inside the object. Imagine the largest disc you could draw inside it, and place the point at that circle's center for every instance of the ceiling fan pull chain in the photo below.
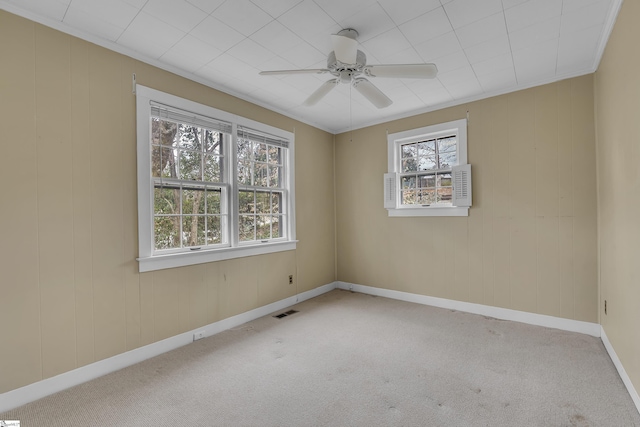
(350, 115)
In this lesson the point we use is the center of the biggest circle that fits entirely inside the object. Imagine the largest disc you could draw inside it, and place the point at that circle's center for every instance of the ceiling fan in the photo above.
(347, 64)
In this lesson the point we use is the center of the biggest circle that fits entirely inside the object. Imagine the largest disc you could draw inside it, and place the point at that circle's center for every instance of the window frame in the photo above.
(394, 156)
(149, 258)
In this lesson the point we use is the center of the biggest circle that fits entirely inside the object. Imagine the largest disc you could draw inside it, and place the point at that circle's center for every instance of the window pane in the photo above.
(427, 148)
(244, 150)
(166, 230)
(447, 160)
(276, 202)
(260, 175)
(247, 228)
(275, 226)
(213, 201)
(163, 162)
(190, 165)
(444, 180)
(409, 165)
(444, 194)
(163, 132)
(214, 230)
(193, 202)
(246, 202)
(263, 202)
(213, 142)
(274, 155)
(263, 227)
(408, 182)
(447, 145)
(427, 163)
(427, 197)
(166, 200)
(244, 173)
(426, 181)
(260, 152)
(193, 230)
(212, 168)
(409, 150)
(274, 176)
(189, 137)
(408, 197)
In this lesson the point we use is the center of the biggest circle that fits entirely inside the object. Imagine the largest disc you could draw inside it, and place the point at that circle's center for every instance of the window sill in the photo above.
(430, 211)
(160, 262)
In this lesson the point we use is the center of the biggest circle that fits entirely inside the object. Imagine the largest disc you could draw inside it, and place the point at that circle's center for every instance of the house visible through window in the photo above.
(426, 171)
(425, 166)
(211, 185)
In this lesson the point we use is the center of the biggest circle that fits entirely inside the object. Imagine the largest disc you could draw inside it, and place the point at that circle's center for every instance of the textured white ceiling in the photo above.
(481, 47)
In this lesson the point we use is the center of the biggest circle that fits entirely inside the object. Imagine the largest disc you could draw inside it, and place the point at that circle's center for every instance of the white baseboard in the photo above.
(35, 391)
(587, 328)
(21, 396)
(621, 371)
(593, 329)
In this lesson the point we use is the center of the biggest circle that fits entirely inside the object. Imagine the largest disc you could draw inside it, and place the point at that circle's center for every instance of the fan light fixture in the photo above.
(347, 64)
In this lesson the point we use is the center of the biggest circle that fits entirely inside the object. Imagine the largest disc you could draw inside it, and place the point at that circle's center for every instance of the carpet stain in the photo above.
(578, 420)
(476, 390)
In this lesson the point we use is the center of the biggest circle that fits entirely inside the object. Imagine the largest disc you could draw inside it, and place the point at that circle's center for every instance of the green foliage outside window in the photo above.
(186, 214)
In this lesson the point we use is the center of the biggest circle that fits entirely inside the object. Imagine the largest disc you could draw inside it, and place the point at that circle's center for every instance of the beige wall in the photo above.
(69, 286)
(617, 84)
(529, 242)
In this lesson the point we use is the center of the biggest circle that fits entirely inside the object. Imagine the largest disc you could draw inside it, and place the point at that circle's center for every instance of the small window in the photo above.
(428, 171)
(211, 185)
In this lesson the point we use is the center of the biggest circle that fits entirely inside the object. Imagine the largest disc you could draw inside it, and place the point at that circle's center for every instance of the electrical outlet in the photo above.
(291, 279)
(198, 335)
(605, 307)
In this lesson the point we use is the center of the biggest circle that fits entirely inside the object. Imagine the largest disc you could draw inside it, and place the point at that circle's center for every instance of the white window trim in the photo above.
(150, 262)
(394, 140)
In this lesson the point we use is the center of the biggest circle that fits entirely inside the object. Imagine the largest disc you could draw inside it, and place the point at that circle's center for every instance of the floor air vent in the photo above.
(285, 314)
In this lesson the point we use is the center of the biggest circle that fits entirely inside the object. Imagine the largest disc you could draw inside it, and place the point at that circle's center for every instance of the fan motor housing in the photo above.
(346, 71)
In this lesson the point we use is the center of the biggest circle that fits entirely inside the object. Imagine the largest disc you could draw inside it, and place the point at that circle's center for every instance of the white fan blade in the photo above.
(372, 93)
(345, 48)
(321, 92)
(403, 71)
(305, 71)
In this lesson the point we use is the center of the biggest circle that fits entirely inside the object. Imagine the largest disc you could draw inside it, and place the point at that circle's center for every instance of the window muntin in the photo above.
(425, 166)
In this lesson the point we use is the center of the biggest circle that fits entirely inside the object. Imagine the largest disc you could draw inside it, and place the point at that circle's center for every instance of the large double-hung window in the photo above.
(189, 183)
(211, 185)
(262, 191)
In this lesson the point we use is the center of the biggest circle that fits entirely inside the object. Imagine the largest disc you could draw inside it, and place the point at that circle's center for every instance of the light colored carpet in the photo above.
(350, 359)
